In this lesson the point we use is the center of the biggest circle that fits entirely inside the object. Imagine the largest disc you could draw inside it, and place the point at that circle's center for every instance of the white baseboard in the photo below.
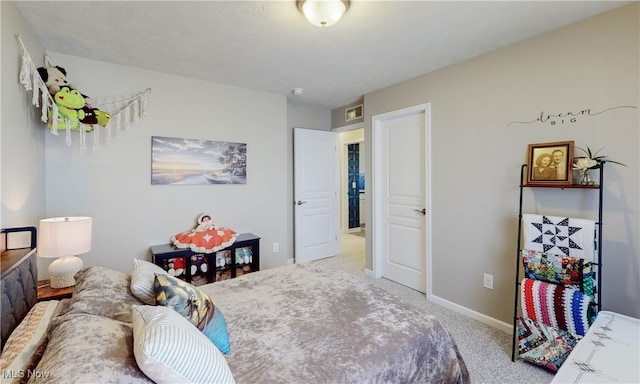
(368, 272)
(490, 321)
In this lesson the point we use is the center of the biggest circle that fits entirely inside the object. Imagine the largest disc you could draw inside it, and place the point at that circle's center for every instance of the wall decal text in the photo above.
(567, 117)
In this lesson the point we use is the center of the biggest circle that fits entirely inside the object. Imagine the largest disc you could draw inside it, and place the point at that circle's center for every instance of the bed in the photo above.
(18, 283)
(302, 323)
(609, 352)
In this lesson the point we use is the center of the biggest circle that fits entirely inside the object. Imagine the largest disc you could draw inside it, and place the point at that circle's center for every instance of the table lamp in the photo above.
(63, 238)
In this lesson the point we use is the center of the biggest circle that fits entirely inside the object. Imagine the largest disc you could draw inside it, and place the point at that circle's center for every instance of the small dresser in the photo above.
(243, 256)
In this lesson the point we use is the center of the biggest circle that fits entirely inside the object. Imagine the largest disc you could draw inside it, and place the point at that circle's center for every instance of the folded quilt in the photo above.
(557, 306)
(565, 270)
(565, 236)
(543, 345)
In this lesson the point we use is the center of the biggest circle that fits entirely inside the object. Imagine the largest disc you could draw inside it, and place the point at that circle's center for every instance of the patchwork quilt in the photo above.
(565, 270)
(542, 345)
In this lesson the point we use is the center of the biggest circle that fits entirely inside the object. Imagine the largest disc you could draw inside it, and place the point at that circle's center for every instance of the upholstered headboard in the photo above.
(18, 287)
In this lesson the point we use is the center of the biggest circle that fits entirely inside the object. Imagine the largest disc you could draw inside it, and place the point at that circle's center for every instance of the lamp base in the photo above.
(62, 271)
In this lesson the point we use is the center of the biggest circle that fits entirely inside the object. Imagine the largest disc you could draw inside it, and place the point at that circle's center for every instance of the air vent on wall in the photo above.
(353, 113)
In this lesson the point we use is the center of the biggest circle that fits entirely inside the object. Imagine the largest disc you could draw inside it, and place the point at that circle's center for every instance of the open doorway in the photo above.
(354, 178)
(352, 192)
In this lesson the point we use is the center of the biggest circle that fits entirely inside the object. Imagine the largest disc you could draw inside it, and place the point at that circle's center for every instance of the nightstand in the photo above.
(45, 292)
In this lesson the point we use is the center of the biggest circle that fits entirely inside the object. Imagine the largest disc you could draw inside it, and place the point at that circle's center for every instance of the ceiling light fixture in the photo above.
(323, 13)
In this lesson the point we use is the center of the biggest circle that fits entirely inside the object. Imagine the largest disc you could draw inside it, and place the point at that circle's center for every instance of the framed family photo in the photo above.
(550, 164)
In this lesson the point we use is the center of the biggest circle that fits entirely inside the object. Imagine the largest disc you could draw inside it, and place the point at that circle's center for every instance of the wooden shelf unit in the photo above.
(243, 256)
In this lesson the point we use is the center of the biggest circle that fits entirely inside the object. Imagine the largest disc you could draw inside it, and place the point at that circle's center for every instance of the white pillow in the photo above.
(142, 278)
(169, 349)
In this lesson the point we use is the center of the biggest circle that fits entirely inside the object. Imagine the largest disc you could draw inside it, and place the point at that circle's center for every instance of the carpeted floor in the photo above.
(486, 350)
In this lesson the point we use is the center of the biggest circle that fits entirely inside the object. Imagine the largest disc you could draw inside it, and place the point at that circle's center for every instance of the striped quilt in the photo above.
(557, 306)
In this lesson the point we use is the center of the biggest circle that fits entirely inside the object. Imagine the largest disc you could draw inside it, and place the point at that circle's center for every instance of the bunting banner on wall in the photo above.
(89, 115)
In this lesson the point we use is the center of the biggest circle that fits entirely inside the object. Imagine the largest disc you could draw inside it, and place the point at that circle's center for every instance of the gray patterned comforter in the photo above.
(308, 323)
(296, 324)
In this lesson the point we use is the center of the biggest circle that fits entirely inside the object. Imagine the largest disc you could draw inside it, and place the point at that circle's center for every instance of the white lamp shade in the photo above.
(64, 236)
(323, 13)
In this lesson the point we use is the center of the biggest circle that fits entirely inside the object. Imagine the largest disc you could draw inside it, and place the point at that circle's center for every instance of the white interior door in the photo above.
(401, 214)
(316, 180)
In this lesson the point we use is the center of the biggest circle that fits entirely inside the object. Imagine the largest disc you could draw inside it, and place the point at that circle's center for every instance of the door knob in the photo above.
(423, 211)
(300, 202)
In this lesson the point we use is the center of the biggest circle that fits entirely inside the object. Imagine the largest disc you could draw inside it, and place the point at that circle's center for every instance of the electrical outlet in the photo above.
(276, 247)
(290, 261)
(488, 281)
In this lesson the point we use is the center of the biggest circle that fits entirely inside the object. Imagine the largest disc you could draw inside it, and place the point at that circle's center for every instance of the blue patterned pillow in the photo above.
(195, 306)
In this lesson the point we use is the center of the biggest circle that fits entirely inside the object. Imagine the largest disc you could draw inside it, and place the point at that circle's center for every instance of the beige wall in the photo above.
(113, 186)
(476, 155)
(22, 141)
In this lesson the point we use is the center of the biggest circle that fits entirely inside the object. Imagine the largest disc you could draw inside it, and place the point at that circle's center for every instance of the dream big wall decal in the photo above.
(567, 117)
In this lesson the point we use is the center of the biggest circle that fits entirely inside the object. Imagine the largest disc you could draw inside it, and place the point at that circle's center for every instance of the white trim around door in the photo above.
(378, 184)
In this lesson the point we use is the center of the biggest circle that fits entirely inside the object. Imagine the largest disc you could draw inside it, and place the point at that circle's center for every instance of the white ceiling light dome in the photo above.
(323, 13)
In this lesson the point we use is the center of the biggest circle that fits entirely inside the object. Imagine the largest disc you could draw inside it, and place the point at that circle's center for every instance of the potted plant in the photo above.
(584, 164)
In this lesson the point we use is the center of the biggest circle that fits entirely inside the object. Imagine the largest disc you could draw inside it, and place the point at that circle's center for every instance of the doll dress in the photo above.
(205, 240)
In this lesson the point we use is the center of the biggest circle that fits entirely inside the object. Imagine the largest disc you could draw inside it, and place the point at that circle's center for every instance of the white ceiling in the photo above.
(269, 46)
